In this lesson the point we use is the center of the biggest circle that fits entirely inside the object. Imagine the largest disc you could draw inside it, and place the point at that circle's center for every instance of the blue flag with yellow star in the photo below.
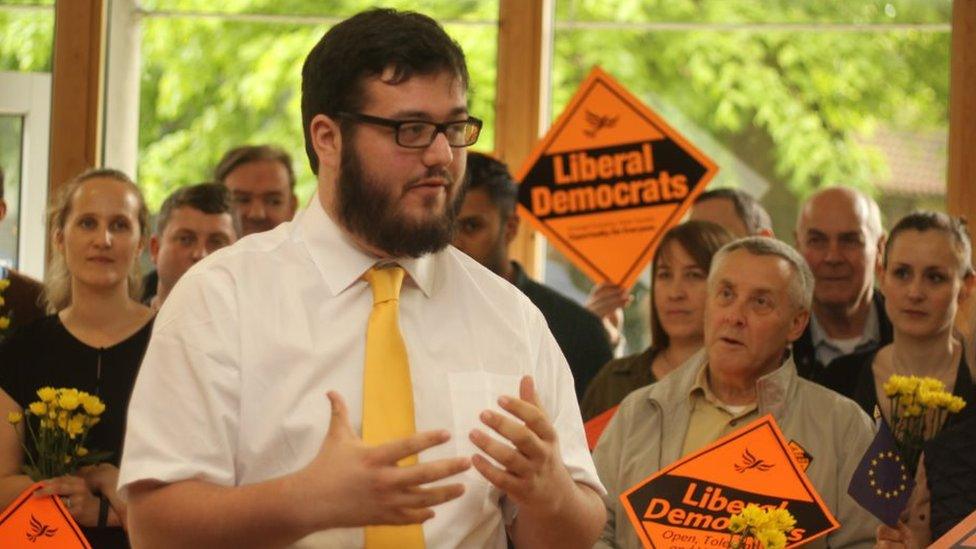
(882, 483)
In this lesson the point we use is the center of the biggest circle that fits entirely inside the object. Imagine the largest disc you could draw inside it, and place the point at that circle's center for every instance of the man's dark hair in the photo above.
(749, 210)
(365, 45)
(246, 154)
(491, 175)
(209, 198)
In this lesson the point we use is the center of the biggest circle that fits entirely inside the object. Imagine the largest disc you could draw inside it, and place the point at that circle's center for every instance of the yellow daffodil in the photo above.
(47, 394)
(76, 425)
(68, 399)
(38, 408)
(92, 405)
(14, 417)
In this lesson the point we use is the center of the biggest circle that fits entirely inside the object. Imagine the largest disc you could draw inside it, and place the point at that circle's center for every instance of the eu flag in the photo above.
(882, 483)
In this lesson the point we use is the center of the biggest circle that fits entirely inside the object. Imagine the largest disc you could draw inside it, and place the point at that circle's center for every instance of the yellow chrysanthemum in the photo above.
(754, 516)
(781, 519)
(4, 320)
(912, 411)
(928, 398)
(68, 399)
(956, 404)
(771, 538)
(4, 284)
(890, 387)
(38, 408)
(737, 524)
(14, 417)
(47, 394)
(81, 451)
(47, 424)
(92, 405)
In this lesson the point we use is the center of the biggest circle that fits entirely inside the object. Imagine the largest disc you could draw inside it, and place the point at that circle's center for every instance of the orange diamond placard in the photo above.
(688, 504)
(39, 522)
(608, 180)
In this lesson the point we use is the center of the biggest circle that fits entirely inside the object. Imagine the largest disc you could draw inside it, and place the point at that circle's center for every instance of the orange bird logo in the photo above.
(749, 461)
(39, 530)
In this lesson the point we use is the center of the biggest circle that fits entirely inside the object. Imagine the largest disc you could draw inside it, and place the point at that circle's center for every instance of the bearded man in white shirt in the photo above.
(230, 442)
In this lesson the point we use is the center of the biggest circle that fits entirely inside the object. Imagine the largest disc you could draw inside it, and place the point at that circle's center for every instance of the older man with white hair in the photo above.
(839, 233)
(759, 298)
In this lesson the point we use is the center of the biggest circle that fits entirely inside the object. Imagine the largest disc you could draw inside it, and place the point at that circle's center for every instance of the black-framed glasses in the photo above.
(419, 134)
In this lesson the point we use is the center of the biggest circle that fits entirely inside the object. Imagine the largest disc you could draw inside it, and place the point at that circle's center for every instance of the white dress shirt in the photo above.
(232, 388)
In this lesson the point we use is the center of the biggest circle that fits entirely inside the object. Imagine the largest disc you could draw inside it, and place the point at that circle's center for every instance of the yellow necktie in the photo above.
(388, 392)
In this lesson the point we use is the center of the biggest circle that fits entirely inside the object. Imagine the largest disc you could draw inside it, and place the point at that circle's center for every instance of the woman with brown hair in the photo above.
(678, 273)
(93, 340)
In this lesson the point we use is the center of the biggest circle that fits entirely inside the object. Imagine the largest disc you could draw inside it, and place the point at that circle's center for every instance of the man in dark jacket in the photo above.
(486, 226)
(839, 233)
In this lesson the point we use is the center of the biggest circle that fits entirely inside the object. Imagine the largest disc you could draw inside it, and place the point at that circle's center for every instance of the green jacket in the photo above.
(648, 431)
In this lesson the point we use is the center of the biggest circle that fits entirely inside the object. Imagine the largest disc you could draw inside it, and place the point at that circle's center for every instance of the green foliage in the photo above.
(232, 82)
(813, 96)
(794, 105)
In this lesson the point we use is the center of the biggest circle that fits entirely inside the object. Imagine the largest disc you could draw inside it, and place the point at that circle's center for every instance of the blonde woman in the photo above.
(93, 340)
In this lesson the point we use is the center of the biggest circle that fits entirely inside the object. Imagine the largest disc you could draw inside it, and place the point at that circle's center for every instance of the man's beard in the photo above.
(372, 213)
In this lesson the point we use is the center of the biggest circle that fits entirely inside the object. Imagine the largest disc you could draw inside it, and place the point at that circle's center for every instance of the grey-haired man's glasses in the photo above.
(419, 134)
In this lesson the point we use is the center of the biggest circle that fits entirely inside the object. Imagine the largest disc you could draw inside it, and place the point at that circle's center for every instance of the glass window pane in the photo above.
(235, 80)
(11, 152)
(26, 35)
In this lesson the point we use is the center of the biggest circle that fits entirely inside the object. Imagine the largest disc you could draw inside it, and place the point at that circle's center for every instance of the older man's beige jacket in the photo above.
(648, 432)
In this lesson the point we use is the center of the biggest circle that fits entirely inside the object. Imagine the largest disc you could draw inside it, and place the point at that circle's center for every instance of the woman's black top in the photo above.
(853, 377)
(45, 354)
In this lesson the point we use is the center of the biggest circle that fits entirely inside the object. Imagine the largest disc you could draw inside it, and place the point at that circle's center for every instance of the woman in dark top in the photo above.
(93, 341)
(678, 272)
(927, 273)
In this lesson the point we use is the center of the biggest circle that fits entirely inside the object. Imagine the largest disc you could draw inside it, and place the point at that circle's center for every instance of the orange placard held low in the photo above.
(608, 180)
(962, 535)
(688, 504)
(39, 523)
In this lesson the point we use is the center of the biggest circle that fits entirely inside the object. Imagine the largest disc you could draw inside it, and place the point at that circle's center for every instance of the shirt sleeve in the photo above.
(183, 416)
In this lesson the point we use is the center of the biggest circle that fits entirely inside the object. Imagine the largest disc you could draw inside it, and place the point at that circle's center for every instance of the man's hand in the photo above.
(534, 475)
(350, 484)
(607, 301)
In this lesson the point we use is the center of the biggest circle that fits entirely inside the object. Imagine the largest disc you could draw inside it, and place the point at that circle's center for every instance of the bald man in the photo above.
(840, 235)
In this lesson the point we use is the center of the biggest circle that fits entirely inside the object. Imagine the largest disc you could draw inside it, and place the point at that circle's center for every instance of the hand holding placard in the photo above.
(350, 484)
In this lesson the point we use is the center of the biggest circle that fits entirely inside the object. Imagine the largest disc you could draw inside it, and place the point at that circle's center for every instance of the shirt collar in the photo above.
(341, 263)
(870, 335)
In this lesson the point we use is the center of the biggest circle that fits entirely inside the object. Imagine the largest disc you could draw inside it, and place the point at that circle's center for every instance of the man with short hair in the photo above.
(733, 209)
(759, 294)
(262, 185)
(487, 225)
(20, 300)
(737, 211)
(840, 235)
(193, 222)
(239, 433)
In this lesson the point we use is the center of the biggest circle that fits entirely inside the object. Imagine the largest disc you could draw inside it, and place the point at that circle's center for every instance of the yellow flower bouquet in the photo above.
(58, 424)
(759, 528)
(918, 407)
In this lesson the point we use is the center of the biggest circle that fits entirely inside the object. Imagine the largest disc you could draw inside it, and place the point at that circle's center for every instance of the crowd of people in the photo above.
(342, 376)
